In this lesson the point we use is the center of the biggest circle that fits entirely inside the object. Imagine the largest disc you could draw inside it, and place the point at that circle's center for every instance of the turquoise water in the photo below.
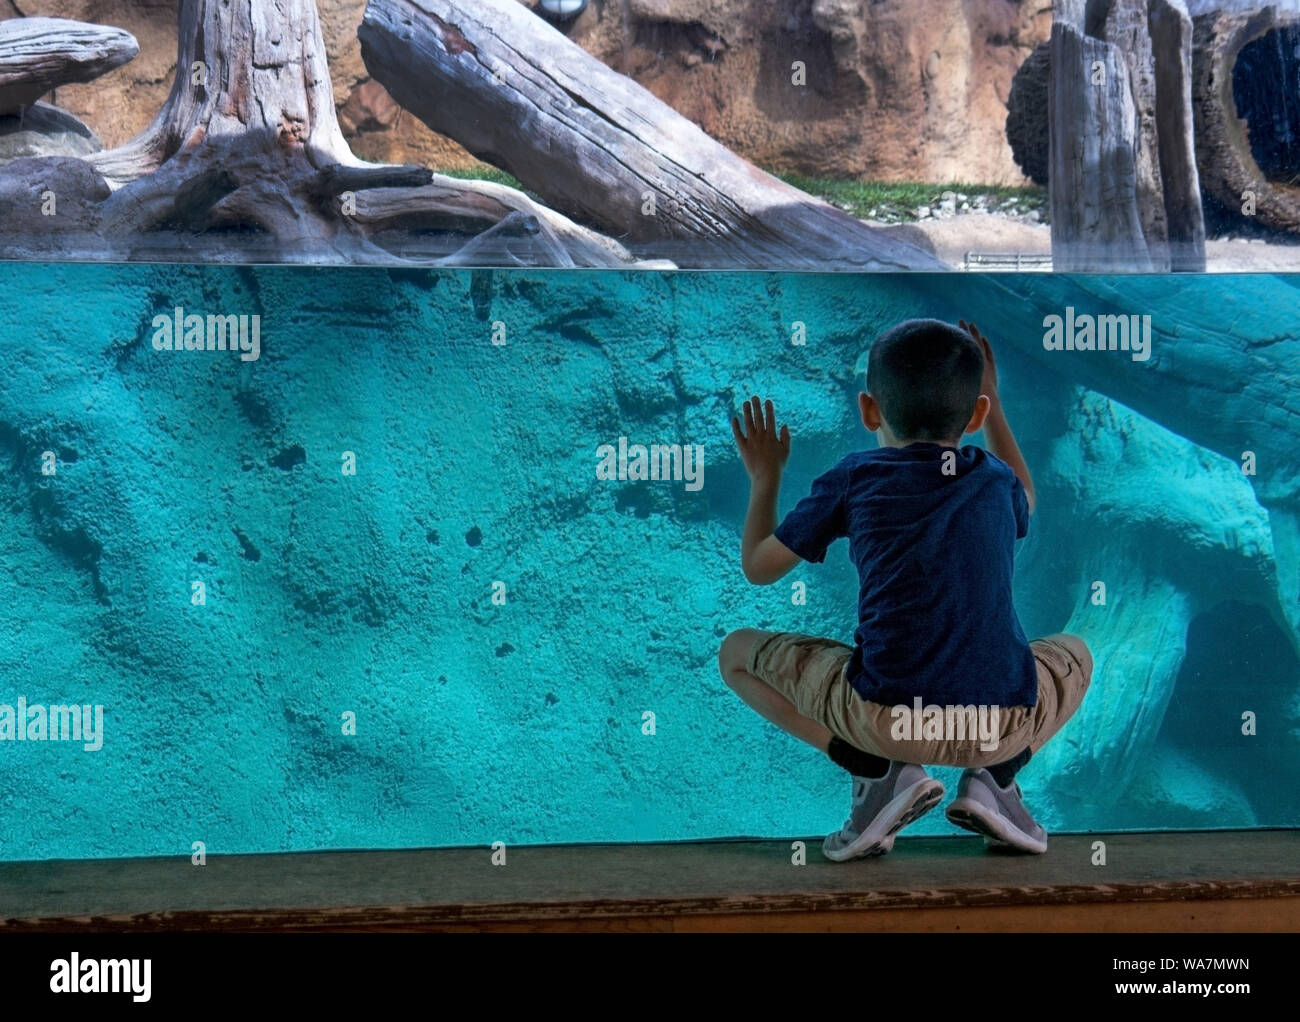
(523, 719)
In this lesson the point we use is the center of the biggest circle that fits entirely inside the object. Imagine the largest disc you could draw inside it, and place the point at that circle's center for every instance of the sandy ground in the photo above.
(952, 238)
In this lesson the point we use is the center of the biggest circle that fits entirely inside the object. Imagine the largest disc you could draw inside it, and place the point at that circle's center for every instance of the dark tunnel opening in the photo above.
(1266, 88)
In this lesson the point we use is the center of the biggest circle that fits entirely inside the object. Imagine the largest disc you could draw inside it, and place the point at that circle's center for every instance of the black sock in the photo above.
(855, 761)
(1005, 773)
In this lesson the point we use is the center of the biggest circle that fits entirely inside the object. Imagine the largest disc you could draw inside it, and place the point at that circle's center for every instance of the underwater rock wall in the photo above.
(371, 594)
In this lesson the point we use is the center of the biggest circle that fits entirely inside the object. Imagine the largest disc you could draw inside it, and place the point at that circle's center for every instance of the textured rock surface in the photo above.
(899, 89)
(895, 89)
(1027, 121)
(522, 722)
(43, 130)
(1171, 531)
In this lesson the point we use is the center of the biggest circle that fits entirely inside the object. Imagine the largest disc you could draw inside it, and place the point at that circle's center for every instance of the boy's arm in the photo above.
(764, 452)
(763, 557)
(997, 431)
(1002, 442)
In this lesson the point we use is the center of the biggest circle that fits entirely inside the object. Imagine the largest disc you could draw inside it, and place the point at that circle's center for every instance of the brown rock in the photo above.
(369, 108)
(895, 89)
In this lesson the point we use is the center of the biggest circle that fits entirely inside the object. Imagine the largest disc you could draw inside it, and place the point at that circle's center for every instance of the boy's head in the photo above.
(923, 380)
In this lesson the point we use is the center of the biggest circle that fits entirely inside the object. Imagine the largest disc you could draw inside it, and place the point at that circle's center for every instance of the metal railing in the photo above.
(1007, 261)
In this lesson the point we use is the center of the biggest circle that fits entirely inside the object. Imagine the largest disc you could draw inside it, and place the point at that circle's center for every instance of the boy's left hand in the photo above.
(763, 450)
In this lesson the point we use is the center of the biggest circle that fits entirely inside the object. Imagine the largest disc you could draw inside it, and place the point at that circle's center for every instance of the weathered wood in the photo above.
(1228, 170)
(679, 885)
(515, 92)
(1093, 177)
(40, 54)
(1171, 41)
(1126, 28)
(453, 204)
(246, 161)
(518, 240)
(336, 179)
(1125, 194)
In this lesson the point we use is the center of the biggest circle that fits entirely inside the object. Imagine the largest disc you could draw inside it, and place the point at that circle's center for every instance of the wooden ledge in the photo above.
(1202, 881)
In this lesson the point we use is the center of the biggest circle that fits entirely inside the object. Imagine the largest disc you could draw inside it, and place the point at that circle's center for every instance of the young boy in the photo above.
(931, 529)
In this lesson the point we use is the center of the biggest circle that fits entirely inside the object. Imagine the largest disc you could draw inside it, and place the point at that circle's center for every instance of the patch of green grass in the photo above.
(897, 201)
(497, 177)
(890, 202)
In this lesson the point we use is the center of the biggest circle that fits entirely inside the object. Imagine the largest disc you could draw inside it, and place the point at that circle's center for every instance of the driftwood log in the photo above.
(518, 94)
(246, 161)
(40, 54)
(1124, 188)
(1229, 171)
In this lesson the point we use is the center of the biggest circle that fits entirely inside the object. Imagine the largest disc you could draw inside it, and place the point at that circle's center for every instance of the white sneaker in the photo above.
(881, 808)
(997, 813)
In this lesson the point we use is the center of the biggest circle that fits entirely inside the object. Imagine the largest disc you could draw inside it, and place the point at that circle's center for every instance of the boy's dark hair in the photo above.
(925, 375)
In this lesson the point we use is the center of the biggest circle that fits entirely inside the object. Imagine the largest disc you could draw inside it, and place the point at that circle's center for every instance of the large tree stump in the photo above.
(1229, 171)
(1124, 194)
(246, 161)
(1093, 175)
(516, 93)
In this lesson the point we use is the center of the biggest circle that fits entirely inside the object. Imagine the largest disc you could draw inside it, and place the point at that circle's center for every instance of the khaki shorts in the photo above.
(809, 671)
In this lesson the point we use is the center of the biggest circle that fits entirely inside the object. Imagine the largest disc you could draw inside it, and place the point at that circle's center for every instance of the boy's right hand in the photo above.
(763, 450)
(1001, 441)
(989, 382)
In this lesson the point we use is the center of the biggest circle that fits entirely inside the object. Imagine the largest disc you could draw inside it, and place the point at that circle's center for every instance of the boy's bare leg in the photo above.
(733, 659)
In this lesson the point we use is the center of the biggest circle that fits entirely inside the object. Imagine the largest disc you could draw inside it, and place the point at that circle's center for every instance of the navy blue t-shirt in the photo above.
(934, 559)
